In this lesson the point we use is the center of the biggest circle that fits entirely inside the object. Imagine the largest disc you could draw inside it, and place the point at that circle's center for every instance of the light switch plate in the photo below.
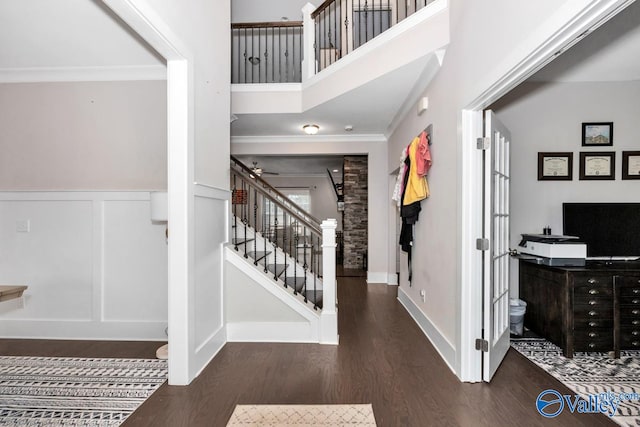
(23, 226)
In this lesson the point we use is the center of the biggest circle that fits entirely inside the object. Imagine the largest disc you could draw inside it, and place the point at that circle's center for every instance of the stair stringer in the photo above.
(302, 324)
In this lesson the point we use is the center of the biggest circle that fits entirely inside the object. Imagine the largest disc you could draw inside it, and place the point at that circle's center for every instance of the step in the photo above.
(258, 255)
(318, 297)
(276, 269)
(295, 282)
(241, 241)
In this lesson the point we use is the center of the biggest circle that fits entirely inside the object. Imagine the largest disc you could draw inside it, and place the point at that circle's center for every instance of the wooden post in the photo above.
(309, 39)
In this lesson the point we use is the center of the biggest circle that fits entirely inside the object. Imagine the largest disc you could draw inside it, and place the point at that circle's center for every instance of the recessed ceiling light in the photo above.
(348, 128)
(311, 129)
(336, 170)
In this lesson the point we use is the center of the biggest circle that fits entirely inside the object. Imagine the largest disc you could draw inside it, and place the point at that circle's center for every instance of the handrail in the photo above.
(239, 25)
(320, 8)
(293, 209)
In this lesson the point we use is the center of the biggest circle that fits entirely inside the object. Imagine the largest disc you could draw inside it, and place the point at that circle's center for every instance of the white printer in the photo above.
(554, 249)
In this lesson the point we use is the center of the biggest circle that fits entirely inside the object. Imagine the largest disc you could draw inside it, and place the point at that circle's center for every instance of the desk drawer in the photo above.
(584, 324)
(593, 280)
(586, 312)
(593, 291)
(629, 312)
(593, 340)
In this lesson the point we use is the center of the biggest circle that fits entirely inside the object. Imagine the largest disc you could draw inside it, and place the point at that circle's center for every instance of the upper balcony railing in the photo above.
(286, 52)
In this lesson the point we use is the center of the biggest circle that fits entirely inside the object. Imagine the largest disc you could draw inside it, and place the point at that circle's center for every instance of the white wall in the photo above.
(548, 117)
(323, 198)
(83, 136)
(488, 39)
(271, 11)
(194, 39)
(94, 263)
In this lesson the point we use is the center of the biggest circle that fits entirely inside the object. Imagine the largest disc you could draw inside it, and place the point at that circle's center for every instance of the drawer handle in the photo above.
(636, 301)
(594, 324)
(592, 345)
(593, 281)
(593, 302)
(635, 333)
(594, 291)
(593, 334)
(637, 291)
(635, 322)
(635, 343)
(593, 313)
(635, 311)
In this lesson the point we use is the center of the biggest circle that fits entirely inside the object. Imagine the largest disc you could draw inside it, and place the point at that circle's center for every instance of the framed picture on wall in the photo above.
(631, 165)
(597, 134)
(555, 166)
(597, 165)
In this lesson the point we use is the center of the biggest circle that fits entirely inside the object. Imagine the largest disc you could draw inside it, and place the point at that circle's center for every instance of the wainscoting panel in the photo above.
(95, 264)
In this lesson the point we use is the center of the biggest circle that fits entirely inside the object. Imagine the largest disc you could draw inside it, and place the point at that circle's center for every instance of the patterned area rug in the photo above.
(62, 391)
(592, 374)
(302, 415)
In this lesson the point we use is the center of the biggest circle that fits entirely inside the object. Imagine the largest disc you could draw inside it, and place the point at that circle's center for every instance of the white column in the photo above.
(329, 316)
(309, 39)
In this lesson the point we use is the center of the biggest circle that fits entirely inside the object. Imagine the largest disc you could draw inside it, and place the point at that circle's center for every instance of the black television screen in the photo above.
(608, 229)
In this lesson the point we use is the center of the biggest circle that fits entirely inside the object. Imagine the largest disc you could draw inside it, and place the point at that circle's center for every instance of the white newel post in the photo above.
(309, 39)
(329, 316)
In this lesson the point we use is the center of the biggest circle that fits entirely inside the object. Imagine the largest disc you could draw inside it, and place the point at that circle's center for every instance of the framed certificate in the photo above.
(555, 166)
(631, 165)
(597, 165)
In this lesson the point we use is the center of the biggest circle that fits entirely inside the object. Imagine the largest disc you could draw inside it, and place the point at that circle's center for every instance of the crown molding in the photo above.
(83, 74)
(284, 139)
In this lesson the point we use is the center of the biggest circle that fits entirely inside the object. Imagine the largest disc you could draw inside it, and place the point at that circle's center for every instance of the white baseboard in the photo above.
(441, 344)
(377, 277)
(81, 330)
(289, 332)
(392, 279)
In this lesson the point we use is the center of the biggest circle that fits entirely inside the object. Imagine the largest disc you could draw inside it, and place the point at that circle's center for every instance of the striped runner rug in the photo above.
(62, 391)
(302, 415)
(591, 373)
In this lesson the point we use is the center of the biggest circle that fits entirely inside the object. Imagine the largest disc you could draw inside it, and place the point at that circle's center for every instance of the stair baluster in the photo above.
(284, 244)
(275, 243)
(255, 222)
(305, 266)
(244, 214)
(296, 238)
(235, 214)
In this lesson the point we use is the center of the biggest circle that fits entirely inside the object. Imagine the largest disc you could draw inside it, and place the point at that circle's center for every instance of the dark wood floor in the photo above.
(383, 358)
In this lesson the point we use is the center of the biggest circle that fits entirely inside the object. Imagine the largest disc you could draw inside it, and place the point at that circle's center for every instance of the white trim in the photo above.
(377, 277)
(439, 342)
(71, 196)
(83, 330)
(265, 87)
(211, 192)
(285, 332)
(575, 24)
(292, 139)
(392, 279)
(83, 74)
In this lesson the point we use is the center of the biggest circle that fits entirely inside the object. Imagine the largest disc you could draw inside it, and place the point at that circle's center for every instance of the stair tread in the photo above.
(295, 282)
(241, 240)
(276, 269)
(258, 255)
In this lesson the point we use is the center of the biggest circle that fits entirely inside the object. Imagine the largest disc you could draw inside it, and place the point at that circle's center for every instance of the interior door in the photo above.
(496, 233)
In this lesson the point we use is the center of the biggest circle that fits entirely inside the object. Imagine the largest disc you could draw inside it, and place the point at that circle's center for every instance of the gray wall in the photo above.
(548, 117)
(323, 198)
(83, 136)
(268, 11)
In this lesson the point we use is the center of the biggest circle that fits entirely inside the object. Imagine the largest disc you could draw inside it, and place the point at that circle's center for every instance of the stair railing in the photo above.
(287, 227)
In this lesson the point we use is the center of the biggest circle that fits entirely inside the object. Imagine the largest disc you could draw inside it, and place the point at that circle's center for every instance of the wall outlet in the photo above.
(23, 225)
(423, 295)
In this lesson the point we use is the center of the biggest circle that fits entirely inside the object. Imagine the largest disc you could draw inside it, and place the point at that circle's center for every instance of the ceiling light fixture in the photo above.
(310, 129)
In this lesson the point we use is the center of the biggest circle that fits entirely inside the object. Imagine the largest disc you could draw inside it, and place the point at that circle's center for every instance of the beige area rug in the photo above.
(302, 415)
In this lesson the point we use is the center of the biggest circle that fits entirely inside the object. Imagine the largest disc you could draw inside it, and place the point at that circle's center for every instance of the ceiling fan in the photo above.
(259, 171)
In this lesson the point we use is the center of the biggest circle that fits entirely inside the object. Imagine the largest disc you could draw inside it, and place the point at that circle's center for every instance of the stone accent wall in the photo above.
(355, 218)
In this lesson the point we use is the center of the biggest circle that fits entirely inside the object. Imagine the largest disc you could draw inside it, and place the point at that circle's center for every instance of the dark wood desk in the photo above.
(591, 308)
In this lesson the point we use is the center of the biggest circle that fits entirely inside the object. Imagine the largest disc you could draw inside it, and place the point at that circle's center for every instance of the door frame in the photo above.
(580, 21)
